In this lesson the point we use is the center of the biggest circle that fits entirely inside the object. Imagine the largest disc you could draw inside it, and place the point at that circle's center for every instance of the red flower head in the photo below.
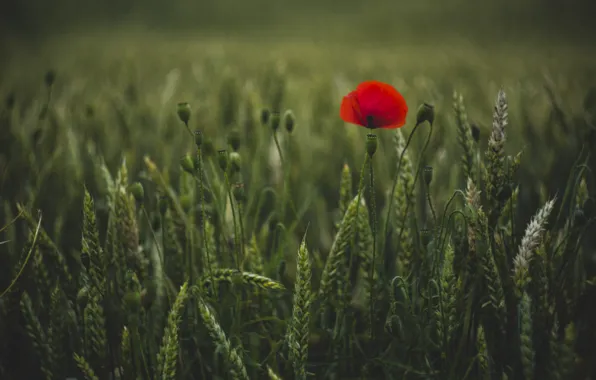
(374, 105)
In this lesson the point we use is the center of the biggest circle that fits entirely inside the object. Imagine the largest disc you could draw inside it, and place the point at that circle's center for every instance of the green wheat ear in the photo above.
(333, 275)
(233, 359)
(298, 333)
(85, 367)
(464, 135)
(168, 353)
(346, 193)
(404, 206)
(91, 247)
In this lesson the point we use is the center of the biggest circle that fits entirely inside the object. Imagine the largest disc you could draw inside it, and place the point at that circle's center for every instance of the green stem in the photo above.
(203, 215)
(236, 244)
(395, 178)
(374, 234)
(414, 186)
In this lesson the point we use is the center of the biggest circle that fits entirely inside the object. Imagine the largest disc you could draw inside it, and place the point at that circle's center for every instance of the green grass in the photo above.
(268, 268)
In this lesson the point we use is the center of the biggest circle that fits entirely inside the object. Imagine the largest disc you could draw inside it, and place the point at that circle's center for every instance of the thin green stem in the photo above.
(395, 178)
(281, 157)
(414, 186)
(236, 244)
(374, 248)
(430, 204)
(203, 215)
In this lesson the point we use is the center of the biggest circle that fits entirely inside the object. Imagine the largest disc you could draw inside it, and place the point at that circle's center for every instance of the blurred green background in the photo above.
(121, 66)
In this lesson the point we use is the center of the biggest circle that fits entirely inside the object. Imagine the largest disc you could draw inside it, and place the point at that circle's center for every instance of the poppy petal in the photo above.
(350, 110)
(383, 103)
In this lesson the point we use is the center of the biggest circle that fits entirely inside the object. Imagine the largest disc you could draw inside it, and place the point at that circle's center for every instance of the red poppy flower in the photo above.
(374, 105)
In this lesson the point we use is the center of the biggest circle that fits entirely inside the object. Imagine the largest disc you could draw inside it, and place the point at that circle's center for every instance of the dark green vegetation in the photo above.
(142, 250)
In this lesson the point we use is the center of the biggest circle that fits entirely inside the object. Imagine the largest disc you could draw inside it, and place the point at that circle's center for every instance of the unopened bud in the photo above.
(137, 191)
(50, 78)
(198, 138)
(235, 162)
(223, 159)
(265, 114)
(428, 175)
(274, 121)
(183, 110)
(187, 164)
(371, 144)
(234, 139)
(426, 112)
(239, 194)
(289, 121)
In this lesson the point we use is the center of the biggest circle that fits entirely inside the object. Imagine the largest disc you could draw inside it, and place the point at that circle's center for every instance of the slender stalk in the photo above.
(415, 180)
(395, 178)
(236, 244)
(374, 249)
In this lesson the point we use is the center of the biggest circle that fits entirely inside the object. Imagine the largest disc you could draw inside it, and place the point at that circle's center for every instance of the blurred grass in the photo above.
(115, 97)
(116, 93)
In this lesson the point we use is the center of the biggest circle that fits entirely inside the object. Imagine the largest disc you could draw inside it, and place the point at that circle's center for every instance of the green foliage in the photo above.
(272, 265)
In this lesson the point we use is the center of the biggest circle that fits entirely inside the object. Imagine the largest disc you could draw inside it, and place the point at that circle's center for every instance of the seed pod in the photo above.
(426, 112)
(222, 159)
(234, 139)
(289, 121)
(183, 110)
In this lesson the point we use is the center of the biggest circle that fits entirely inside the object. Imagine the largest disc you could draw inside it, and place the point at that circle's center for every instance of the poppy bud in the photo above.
(234, 139)
(50, 78)
(239, 194)
(265, 114)
(235, 162)
(274, 120)
(475, 132)
(163, 205)
(187, 164)
(137, 191)
(198, 138)
(426, 112)
(223, 159)
(427, 175)
(371, 144)
(289, 121)
(183, 111)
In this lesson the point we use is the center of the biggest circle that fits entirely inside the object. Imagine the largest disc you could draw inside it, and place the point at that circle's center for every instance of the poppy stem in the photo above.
(373, 207)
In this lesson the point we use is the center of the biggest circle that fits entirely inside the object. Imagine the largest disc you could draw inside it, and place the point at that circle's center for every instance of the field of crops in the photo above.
(178, 207)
